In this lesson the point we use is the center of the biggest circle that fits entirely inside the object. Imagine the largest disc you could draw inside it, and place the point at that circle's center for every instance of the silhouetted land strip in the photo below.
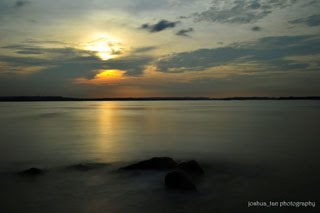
(60, 98)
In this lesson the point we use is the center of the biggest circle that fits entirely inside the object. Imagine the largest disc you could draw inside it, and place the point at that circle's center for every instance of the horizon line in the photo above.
(168, 98)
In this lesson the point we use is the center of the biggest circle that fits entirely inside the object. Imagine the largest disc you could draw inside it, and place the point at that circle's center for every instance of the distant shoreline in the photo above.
(60, 98)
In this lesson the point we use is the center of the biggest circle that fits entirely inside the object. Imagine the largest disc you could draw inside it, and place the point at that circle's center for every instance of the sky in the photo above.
(159, 48)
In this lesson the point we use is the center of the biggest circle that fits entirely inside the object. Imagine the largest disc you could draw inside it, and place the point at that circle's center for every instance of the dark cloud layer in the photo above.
(185, 32)
(244, 11)
(55, 70)
(19, 4)
(269, 53)
(311, 21)
(160, 26)
(256, 28)
(134, 66)
(143, 49)
(69, 62)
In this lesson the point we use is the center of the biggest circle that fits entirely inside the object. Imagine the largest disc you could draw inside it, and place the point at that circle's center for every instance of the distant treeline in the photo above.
(60, 98)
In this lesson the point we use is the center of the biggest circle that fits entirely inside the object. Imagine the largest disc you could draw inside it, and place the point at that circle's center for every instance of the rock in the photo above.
(32, 172)
(156, 163)
(191, 167)
(86, 166)
(179, 180)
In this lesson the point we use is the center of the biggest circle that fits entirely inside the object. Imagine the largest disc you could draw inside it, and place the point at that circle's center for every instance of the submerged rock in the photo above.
(192, 167)
(156, 163)
(32, 172)
(179, 180)
(86, 166)
(181, 176)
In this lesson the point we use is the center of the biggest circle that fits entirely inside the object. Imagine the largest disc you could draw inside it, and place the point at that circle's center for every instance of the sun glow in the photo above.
(110, 74)
(105, 47)
(104, 77)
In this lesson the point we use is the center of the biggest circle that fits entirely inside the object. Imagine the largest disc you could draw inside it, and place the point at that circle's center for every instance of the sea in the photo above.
(258, 156)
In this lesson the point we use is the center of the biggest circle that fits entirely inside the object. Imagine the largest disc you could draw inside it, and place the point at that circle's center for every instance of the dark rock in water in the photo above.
(156, 163)
(179, 180)
(191, 167)
(86, 166)
(32, 172)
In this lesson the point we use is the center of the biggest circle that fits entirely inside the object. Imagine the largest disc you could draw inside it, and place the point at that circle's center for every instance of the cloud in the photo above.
(146, 5)
(241, 11)
(256, 28)
(57, 52)
(68, 62)
(24, 49)
(19, 4)
(143, 49)
(310, 3)
(184, 17)
(270, 53)
(133, 65)
(138, 6)
(184, 32)
(268, 66)
(160, 26)
(311, 21)
(55, 70)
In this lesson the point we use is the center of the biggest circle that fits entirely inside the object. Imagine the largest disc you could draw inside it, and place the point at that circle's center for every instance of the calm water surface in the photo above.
(251, 150)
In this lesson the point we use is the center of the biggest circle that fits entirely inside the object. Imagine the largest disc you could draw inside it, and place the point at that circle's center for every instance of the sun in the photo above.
(105, 48)
(102, 50)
